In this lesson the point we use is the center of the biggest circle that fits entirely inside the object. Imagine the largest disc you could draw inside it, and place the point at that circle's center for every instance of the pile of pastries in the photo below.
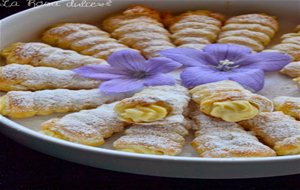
(227, 119)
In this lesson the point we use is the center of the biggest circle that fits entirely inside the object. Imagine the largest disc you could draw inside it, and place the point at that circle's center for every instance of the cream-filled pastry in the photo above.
(194, 29)
(141, 28)
(230, 101)
(153, 104)
(88, 127)
(290, 44)
(40, 54)
(292, 69)
(23, 104)
(26, 77)
(279, 131)
(216, 138)
(153, 139)
(288, 105)
(83, 38)
(252, 30)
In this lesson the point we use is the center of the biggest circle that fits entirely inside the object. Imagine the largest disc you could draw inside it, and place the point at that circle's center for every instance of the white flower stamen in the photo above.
(226, 65)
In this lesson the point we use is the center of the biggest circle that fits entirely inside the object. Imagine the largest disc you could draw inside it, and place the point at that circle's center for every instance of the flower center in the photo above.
(139, 74)
(226, 65)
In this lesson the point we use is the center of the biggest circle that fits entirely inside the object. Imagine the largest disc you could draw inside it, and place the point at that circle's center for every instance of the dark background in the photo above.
(23, 168)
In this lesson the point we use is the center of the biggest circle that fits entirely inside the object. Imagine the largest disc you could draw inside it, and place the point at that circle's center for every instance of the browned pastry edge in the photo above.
(259, 18)
(169, 19)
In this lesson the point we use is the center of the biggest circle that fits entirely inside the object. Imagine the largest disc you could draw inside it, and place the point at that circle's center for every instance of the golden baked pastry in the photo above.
(194, 29)
(252, 30)
(40, 54)
(297, 29)
(22, 104)
(290, 44)
(26, 77)
(154, 104)
(230, 101)
(292, 69)
(89, 127)
(165, 138)
(139, 27)
(216, 138)
(83, 38)
(279, 131)
(288, 105)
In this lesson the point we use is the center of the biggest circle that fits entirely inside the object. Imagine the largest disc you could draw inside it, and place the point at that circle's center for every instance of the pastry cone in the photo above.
(290, 44)
(252, 30)
(83, 38)
(279, 131)
(297, 29)
(26, 77)
(292, 69)
(216, 138)
(288, 105)
(230, 101)
(194, 29)
(297, 80)
(22, 104)
(164, 139)
(89, 127)
(155, 104)
(39, 54)
(139, 27)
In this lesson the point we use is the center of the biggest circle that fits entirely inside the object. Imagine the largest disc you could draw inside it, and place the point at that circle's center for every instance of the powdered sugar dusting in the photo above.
(51, 101)
(273, 127)
(100, 121)
(217, 138)
(25, 77)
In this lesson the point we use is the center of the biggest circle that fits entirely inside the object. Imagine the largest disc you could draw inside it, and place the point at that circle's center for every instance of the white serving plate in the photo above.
(28, 25)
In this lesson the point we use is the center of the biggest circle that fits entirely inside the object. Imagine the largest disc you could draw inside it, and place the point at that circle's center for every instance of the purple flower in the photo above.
(128, 71)
(226, 62)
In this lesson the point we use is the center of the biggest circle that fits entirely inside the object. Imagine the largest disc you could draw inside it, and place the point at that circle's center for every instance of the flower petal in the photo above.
(161, 65)
(100, 72)
(252, 79)
(267, 61)
(189, 56)
(159, 79)
(194, 76)
(127, 60)
(121, 86)
(227, 51)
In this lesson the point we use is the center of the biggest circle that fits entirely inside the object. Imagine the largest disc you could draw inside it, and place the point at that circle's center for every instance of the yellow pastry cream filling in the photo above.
(234, 111)
(142, 113)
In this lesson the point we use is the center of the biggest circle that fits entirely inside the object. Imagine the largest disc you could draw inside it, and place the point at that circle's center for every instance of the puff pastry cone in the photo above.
(290, 44)
(141, 28)
(229, 101)
(216, 138)
(288, 105)
(40, 54)
(88, 127)
(158, 118)
(153, 104)
(277, 130)
(26, 77)
(154, 139)
(252, 30)
(24, 104)
(292, 69)
(83, 38)
(194, 29)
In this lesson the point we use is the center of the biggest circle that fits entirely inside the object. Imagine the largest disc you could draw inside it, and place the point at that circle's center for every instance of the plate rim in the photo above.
(35, 134)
